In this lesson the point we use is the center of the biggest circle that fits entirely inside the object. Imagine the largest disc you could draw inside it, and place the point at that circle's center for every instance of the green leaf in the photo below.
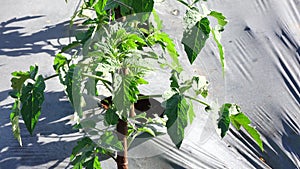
(174, 80)
(176, 111)
(111, 117)
(32, 99)
(167, 43)
(84, 154)
(73, 84)
(241, 119)
(125, 93)
(93, 163)
(81, 144)
(217, 37)
(99, 7)
(20, 77)
(145, 7)
(200, 85)
(71, 45)
(220, 17)
(59, 62)
(147, 130)
(224, 120)
(14, 119)
(109, 140)
(33, 71)
(194, 38)
(157, 20)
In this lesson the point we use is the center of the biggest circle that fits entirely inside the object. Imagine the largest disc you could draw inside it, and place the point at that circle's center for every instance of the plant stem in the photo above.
(197, 100)
(95, 77)
(50, 77)
(122, 131)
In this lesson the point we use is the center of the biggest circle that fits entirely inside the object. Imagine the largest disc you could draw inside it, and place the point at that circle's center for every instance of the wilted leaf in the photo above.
(14, 119)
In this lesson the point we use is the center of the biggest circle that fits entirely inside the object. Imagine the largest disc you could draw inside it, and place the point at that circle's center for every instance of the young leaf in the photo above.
(194, 38)
(224, 120)
(241, 119)
(32, 99)
(176, 111)
(59, 62)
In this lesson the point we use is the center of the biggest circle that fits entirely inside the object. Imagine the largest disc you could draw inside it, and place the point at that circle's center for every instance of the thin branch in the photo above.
(197, 100)
(50, 77)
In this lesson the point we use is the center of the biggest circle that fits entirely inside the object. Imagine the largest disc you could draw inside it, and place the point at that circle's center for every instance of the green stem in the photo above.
(50, 77)
(94, 76)
(197, 100)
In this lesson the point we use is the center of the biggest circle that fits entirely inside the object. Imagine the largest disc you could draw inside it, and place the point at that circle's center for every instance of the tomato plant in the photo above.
(121, 41)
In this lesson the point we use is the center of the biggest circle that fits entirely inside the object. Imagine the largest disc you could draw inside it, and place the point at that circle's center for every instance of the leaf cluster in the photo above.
(115, 48)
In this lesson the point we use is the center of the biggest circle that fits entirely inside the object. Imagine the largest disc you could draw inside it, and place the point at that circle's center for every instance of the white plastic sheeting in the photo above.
(262, 48)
